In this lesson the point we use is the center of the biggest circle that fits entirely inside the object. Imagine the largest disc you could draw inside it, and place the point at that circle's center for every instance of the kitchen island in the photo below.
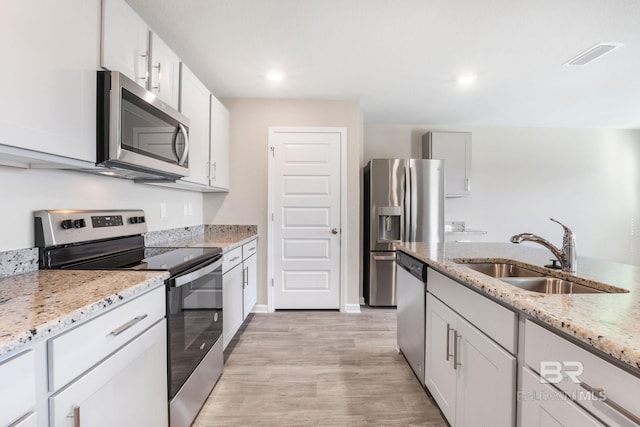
(497, 354)
(607, 322)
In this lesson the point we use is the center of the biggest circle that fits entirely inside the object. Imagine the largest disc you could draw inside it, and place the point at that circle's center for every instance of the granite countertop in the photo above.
(38, 304)
(607, 322)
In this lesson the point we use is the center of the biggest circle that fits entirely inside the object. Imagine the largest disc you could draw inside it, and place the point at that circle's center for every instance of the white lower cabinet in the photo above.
(602, 389)
(128, 389)
(471, 377)
(18, 389)
(250, 287)
(542, 405)
(232, 290)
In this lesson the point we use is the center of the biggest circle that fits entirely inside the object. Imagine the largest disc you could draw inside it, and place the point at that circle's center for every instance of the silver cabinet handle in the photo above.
(146, 67)
(599, 392)
(235, 258)
(449, 329)
(455, 350)
(157, 87)
(75, 415)
(127, 325)
(251, 249)
(215, 171)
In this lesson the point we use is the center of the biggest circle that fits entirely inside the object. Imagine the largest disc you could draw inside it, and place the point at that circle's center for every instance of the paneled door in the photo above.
(305, 201)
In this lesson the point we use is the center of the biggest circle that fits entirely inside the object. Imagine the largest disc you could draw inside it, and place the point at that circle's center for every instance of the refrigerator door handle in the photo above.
(412, 214)
(406, 217)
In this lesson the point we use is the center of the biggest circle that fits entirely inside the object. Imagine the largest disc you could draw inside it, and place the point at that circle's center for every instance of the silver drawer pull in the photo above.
(76, 416)
(602, 396)
(235, 258)
(455, 350)
(127, 325)
(449, 329)
(252, 248)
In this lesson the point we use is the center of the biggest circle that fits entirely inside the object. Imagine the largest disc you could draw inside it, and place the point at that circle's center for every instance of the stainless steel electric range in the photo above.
(113, 240)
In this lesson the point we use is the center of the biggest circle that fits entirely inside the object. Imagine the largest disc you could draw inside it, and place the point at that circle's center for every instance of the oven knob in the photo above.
(79, 223)
(67, 224)
(141, 219)
(133, 220)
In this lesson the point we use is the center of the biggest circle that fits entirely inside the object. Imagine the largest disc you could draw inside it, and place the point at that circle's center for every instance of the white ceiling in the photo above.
(400, 59)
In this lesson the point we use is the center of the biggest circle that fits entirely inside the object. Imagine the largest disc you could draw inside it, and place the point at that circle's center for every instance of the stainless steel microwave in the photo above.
(138, 135)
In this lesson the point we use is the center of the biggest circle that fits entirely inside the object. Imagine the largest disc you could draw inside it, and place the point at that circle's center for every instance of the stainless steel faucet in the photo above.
(566, 256)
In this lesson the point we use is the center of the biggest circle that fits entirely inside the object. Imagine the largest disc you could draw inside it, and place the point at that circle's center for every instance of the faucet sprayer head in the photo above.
(516, 239)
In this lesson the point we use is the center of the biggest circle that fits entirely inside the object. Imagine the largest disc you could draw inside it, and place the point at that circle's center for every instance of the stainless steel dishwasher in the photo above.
(411, 295)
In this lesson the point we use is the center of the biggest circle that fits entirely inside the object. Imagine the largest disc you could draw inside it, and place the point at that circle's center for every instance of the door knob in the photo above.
(334, 230)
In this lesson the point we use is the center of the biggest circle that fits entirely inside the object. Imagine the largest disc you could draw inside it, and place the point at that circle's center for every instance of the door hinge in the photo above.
(273, 151)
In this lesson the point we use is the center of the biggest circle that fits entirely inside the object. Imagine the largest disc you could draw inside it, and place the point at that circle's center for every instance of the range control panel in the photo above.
(60, 227)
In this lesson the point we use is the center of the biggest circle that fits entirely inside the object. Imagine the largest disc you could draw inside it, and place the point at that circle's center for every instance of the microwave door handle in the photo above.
(185, 153)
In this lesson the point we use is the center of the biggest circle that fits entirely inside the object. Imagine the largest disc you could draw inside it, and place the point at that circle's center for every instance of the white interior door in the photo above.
(305, 192)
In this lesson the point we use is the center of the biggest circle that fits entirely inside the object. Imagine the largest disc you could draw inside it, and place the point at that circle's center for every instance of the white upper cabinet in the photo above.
(455, 149)
(128, 46)
(194, 103)
(125, 41)
(219, 145)
(164, 73)
(50, 55)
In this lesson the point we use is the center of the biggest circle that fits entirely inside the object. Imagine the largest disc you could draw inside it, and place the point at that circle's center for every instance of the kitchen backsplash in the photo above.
(18, 262)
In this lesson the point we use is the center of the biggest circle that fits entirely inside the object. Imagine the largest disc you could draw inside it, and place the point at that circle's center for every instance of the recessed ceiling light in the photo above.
(467, 79)
(275, 76)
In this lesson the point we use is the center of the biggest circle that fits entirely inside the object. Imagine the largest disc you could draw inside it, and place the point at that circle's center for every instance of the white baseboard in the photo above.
(260, 308)
(352, 308)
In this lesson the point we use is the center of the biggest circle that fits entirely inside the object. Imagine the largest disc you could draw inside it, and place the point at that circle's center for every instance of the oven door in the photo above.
(194, 314)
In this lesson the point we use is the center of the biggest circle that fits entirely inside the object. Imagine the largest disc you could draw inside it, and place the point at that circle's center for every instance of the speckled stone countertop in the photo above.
(609, 323)
(226, 237)
(38, 304)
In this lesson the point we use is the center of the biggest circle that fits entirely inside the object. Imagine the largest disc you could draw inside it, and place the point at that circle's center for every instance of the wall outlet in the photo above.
(163, 210)
(185, 209)
(190, 209)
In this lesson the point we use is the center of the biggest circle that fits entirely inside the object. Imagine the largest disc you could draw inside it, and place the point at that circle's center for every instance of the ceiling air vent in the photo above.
(592, 54)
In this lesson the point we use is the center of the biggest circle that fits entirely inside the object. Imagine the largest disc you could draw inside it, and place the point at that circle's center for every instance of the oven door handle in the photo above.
(194, 275)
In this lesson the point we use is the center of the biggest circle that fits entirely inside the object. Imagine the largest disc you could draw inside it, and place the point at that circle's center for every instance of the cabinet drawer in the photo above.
(496, 321)
(231, 259)
(73, 352)
(546, 351)
(249, 249)
(17, 387)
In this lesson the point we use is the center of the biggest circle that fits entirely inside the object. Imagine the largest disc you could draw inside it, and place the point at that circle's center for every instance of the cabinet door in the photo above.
(17, 387)
(545, 406)
(194, 103)
(164, 73)
(219, 145)
(127, 389)
(48, 76)
(250, 284)
(440, 377)
(232, 283)
(455, 149)
(125, 41)
(486, 380)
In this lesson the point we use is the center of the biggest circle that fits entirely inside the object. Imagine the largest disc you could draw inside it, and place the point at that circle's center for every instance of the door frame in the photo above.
(343, 211)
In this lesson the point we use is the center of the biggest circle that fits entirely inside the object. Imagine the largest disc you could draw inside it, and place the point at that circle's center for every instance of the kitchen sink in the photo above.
(550, 285)
(535, 281)
(501, 270)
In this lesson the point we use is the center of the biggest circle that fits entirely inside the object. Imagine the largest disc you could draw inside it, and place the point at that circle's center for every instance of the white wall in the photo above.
(246, 202)
(585, 178)
(26, 190)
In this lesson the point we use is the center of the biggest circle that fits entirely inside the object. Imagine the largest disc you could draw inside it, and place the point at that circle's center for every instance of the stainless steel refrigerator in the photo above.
(403, 201)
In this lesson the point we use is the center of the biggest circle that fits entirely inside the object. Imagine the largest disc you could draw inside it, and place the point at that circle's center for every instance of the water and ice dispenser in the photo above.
(389, 224)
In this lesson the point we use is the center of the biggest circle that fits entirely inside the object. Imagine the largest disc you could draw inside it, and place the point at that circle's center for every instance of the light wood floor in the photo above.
(318, 368)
